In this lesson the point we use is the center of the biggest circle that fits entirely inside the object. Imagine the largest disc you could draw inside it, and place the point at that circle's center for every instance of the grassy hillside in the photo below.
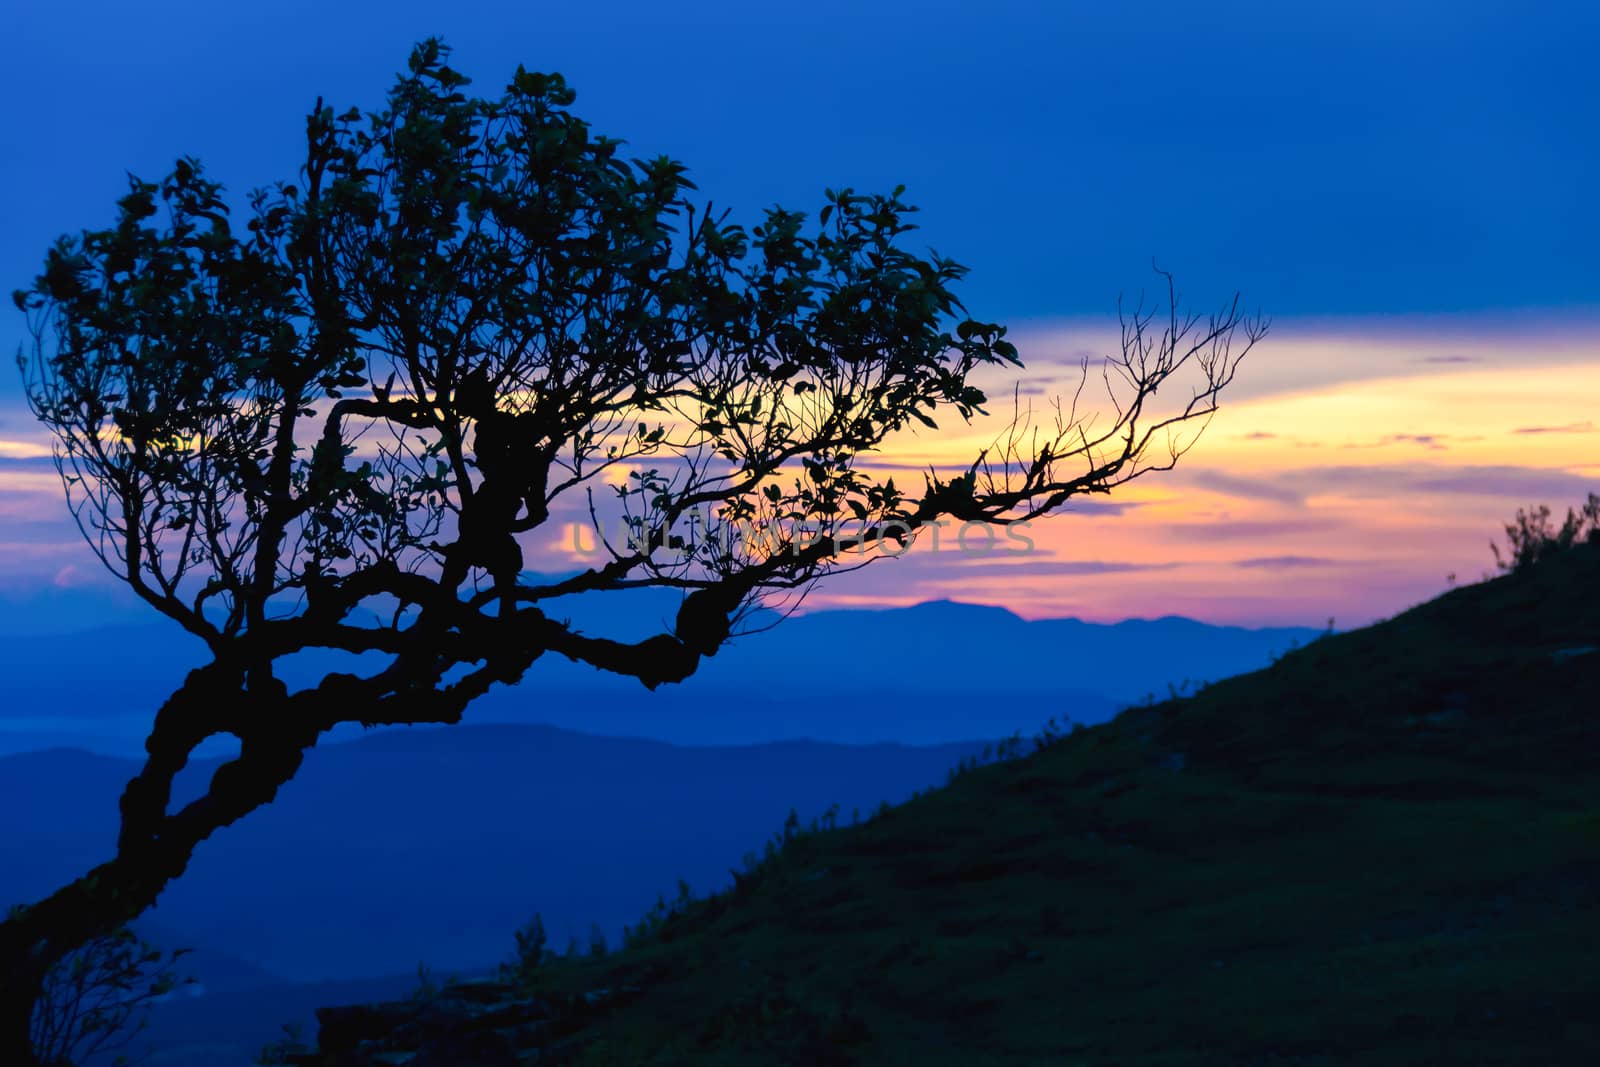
(1385, 849)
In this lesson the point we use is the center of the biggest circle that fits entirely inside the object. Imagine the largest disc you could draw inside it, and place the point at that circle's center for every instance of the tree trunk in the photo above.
(16, 1012)
(154, 848)
(33, 940)
(21, 981)
(155, 844)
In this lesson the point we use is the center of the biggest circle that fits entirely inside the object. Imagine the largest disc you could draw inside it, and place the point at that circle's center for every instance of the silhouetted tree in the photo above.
(329, 427)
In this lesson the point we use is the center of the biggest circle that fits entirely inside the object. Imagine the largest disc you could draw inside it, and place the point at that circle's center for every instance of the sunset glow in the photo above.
(1356, 472)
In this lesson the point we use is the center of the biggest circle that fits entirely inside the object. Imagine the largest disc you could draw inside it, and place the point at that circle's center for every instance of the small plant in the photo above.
(97, 1000)
(1008, 748)
(1051, 732)
(533, 949)
(427, 987)
(1530, 537)
(648, 927)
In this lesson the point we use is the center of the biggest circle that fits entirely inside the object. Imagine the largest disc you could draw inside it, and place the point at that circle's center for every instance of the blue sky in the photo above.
(1327, 159)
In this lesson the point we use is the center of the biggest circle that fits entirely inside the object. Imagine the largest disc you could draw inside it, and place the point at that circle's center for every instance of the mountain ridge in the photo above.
(940, 659)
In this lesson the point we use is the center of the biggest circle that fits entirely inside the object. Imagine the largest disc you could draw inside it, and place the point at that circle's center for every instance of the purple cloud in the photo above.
(1251, 529)
(1432, 441)
(1100, 507)
(1245, 488)
(1571, 427)
(1526, 482)
(1396, 480)
(987, 566)
(1285, 562)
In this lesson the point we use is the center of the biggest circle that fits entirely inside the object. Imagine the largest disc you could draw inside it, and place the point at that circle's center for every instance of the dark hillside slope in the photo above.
(1385, 849)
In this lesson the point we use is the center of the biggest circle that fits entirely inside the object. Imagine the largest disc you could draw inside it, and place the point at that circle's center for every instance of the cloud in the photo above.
(1251, 529)
(1259, 435)
(1309, 355)
(1082, 505)
(1571, 427)
(1285, 562)
(1399, 480)
(1041, 568)
(1509, 481)
(48, 530)
(1432, 441)
(14, 450)
(26, 460)
(1106, 508)
(1043, 349)
(875, 463)
(70, 577)
(1244, 488)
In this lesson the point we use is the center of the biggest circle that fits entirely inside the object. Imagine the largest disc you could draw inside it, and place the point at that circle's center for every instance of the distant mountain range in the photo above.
(935, 673)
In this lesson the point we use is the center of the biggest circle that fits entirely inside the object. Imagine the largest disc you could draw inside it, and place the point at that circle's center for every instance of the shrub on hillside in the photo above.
(1530, 537)
(532, 952)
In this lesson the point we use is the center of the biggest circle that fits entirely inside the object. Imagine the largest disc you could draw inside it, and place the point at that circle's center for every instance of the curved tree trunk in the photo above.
(21, 982)
(154, 846)
(35, 939)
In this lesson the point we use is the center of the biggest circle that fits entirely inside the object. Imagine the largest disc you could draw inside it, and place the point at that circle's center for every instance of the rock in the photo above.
(466, 1024)
(343, 1029)
(469, 1048)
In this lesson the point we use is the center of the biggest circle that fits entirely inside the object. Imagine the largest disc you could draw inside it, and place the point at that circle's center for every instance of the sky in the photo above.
(1406, 189)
